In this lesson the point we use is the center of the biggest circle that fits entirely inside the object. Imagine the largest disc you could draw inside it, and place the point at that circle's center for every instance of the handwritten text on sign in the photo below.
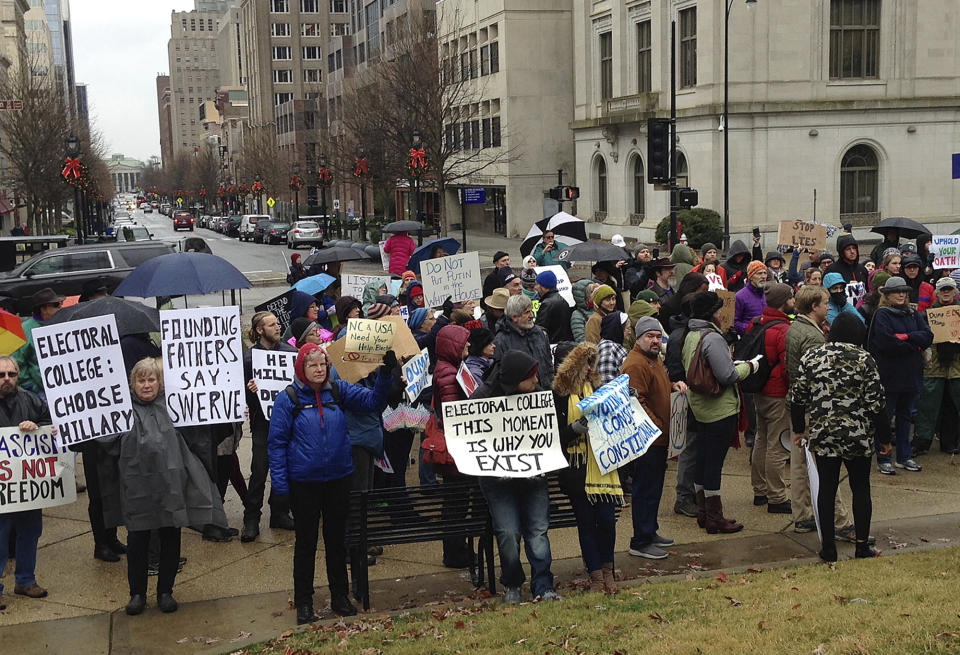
(272, 373)
(417, 374)
(729, 310)
(504, 437)
(620, 431)
(456, 277)
(36, 470)
(945, 323)
(81, 365)
(368, 340)
(279, 307)
(801, 234)
(203, 366)
(946, 251)
(351, 284)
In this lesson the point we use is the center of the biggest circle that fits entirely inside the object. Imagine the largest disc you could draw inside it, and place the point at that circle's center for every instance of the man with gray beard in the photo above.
(516, 331)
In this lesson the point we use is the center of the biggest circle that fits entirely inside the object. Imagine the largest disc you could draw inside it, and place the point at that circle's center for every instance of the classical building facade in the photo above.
(125, 173)
(842, 110)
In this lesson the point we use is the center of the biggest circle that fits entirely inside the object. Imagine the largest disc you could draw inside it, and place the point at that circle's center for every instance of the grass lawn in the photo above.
(900, 604)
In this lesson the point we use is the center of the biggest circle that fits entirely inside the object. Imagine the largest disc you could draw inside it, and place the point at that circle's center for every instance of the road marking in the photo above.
(251, 272)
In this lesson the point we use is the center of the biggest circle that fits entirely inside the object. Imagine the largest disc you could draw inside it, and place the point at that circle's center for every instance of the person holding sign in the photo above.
(311, 465)
(519, 507)
(25, 410)
(554, 313)
(848, 265)
(941, 374)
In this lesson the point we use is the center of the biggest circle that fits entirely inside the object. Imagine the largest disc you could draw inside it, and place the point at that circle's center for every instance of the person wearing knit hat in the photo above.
(415, 296)
(390, 301)
(647, 324)
(604, 302)
(528, 279)
(554, 312)
(501, 259)
(480, 353)
(297, 271)
(837, 288)
(378, 310)
(417, 317)
(750, 301)
(408, 275)
(305, 331)
(347, 307)
(492, 281)
(510, 281)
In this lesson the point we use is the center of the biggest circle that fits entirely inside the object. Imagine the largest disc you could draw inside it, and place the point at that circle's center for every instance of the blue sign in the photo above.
(956, 165)
(473, 196)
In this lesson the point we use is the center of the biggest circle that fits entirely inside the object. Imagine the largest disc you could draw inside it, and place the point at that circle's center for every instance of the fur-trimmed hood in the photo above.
(568, 379)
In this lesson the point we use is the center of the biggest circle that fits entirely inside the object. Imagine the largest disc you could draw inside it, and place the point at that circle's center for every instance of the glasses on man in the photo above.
(549, 236)
(8, 374)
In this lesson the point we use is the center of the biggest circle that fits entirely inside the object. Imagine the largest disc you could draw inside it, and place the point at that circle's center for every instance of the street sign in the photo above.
(336, 204)
(475, 196)
(11, 105)
(179, 202)
(271, 202)
(956, 165)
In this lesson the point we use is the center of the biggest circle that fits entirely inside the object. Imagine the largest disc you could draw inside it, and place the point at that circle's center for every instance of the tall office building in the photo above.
(13, 36)
(83, 110)
(61, 40)
(164, 110)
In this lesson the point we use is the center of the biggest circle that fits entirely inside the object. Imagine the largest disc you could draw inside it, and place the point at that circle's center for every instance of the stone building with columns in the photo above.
(125, 173)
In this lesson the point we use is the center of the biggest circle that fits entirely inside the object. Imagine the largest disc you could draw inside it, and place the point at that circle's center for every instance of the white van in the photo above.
(247, 224)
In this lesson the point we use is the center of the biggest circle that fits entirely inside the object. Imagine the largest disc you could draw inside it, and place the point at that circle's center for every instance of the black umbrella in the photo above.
(567, 229)
(335, 254)
(592, 251)
(909, 229)
(405, 226)
(132, 317)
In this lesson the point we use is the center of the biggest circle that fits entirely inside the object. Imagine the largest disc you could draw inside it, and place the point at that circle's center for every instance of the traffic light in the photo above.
(687, 198)
(564, 193)
(658, 150)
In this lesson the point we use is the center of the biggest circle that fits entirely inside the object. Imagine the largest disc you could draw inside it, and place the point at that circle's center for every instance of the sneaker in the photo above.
(549, 595)
(759, 501)
(650, 551)
(664, 542)
(780, 508)
(511, 596)
(886, 468)
(153, 569)
(909, 465)
(805, 525)
(685, 507)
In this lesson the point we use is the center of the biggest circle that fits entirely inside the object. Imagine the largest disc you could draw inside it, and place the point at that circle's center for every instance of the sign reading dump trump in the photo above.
(203, 365)
(456, 277)
(81, 366)
(272, 373)
(36, 470)
(620, 431)
(504, 437)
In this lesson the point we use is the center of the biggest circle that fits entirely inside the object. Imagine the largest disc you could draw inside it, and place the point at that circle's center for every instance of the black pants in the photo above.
(713, 442)
(397, 446)
(102, 535)
(311, 502)
(138, 543)
(259, 468)
(858, 471)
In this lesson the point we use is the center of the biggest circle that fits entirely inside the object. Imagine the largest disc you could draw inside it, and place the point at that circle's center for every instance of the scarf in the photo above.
(599, 487)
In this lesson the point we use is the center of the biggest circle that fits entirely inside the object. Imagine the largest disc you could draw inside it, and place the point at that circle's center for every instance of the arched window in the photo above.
(638, 186)
(859, 179)
(601, 185)
(683, 175)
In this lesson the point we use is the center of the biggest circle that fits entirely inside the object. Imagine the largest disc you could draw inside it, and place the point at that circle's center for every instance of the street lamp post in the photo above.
(295, 183)
(73, 152)
(323, 181)
(259, 188)
(417, 156)
(362, 171)
(726, 120)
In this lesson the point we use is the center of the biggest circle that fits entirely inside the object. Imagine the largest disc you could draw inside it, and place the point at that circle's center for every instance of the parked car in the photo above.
(134, 233)
(259, 230)
(248, 223)
(204, 221)
(145, 206)
(275, 232)
(183, 220)
(65, 270)
(155, 204)
(304, 233)
(231, 226)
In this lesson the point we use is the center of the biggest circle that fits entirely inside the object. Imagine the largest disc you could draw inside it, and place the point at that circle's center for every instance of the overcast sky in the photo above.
(119, 47)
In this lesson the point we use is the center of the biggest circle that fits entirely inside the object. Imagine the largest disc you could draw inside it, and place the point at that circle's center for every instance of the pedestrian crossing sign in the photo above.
(271, 202)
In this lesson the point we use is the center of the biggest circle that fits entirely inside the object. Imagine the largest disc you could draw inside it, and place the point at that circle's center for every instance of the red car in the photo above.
(183, 220)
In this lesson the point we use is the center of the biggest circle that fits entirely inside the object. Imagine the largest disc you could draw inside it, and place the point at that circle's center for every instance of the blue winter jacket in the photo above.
(900, 363)
(314, 450)
(365, 428)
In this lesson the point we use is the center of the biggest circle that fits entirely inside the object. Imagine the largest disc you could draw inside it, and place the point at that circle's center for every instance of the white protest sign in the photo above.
(678, 423)
(351, 284)
(715, 282)
(813, 478)
(456, 277)
(417, 374)
(81, 366)
(272, 373)
(384, 256)
(946, 251)
(855, 291)
(203, 365)
(620, 431)
(564, 288)
(404, 313)
(36, 470)
(368, 340)
(504, 437)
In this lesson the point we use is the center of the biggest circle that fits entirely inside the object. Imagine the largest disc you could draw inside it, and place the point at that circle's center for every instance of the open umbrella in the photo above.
(334, 254)
(314, 284)
(909, 229)
(132, 317)
(569, 230)
(449, 244)
(12, 336)
(592, 251)
(182, 273)
(405, 226)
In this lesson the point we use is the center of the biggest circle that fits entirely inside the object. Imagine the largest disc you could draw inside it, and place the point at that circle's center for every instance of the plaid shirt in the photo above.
(609, 359)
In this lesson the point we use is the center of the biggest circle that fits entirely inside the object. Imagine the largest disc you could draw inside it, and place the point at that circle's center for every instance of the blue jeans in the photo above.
(596, 528)
(520, 507)
(648, 473)
(29, 525)
(899, 408)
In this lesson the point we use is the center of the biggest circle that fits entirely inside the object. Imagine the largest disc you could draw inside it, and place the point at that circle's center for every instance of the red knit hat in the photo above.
(416, 291)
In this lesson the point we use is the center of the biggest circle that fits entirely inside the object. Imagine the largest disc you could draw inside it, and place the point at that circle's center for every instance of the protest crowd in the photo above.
(594, 376)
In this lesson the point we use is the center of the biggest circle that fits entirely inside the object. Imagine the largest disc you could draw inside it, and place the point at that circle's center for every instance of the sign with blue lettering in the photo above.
(416, 373)
(620, 431)
(956, 165)
(474, 196)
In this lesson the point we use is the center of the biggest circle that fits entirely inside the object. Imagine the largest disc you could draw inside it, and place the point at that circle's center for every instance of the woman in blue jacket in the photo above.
(311, 465)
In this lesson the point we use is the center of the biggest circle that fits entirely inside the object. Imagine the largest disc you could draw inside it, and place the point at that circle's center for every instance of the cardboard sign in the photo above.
(384, 256)
(351, 284)
(802, 235)
(563, 282)
(404, 345)
(678, 423)
(368, 340)
(272, 373)
(280, 307)
(466, 380)
(456, 277)
(417, 374)
(504, 437)
(620, 431)
(81, 366)
(729, 310)
(203, 365)
(945, 323)
(36, 470)
(946, 251)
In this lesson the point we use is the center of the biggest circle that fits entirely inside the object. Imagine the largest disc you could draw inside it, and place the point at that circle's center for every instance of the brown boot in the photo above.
(715, 520)
(701, 509)
(609, 583)
(596, 581)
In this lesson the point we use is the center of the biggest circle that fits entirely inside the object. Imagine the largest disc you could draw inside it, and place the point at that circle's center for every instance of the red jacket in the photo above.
(926, 296)
(450, 342)
(399, 247)
(775, 345)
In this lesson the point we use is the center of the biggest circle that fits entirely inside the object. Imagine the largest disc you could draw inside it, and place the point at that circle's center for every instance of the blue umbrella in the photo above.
(182, 273)
(314, 284)
(449, 244)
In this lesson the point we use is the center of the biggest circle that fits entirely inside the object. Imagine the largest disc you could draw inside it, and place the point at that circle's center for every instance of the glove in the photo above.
(322, 312)
(902, 336)
(390, 363)
(755, 364)
(580, 425)
(280, 504)
(448, 306)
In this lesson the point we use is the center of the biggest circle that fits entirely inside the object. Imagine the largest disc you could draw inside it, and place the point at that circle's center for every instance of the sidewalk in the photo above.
(234, 594)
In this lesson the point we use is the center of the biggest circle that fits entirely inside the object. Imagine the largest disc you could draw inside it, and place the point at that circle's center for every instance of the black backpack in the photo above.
(297, 407)
(751, 344)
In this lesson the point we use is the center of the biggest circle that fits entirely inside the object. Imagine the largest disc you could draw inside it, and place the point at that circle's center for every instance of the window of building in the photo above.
(203, 27)
(312, 52)
(490, 59)
(283, 76)
(279, 6)
(193, 24)
(339, 57)
(485, 124)
(475, 134)
(465, 66)
(338, 6)
(280, 29)
(683, 173)
(282, 53)
(644, 58)
(309, 6)
(854, 39)
(688, 48)
(601, 185)
(339, 29)
(280, 98)
(311, 29)
(495, 132)
(312, 75)
(606, 65)
(467, 136)
(453, 136)
(361, 52)
(859, 180)
(638, 185)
